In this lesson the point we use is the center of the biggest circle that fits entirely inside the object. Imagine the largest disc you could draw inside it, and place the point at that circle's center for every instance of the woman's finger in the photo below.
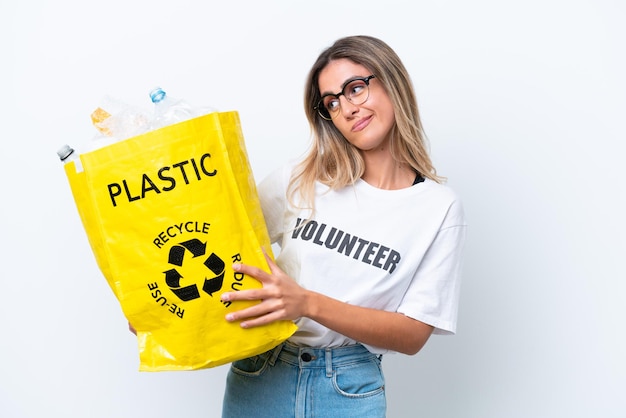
(252, 271)
(256, 315)
(249, 294)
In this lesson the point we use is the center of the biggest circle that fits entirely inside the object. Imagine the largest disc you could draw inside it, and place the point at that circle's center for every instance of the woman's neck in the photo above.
(385, 173)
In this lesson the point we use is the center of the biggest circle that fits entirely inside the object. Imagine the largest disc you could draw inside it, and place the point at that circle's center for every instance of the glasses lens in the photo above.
(356, 92)
(323, 112)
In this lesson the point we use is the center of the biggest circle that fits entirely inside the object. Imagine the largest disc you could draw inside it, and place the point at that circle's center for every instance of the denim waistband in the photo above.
(311, 357)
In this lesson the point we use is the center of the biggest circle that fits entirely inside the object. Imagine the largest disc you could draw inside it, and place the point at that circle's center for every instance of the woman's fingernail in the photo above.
(236, 266)
(230, 317)
(225, 297)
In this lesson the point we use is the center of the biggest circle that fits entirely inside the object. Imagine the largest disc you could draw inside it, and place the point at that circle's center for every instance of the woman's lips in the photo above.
(361, 124)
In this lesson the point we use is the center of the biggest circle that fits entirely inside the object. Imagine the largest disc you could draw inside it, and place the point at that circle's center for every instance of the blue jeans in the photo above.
(302, 382)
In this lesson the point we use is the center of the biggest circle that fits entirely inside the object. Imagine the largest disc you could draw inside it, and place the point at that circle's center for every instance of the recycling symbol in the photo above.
(213, 263)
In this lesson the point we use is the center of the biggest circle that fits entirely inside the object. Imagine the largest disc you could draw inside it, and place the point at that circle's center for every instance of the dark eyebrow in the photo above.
(343, 86)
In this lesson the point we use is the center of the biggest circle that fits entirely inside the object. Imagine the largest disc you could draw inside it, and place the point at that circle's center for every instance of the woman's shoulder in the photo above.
(442, 190)
(448, 198)
(280, 175)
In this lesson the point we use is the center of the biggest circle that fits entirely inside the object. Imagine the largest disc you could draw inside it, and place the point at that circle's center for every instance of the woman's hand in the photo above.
(281, 298)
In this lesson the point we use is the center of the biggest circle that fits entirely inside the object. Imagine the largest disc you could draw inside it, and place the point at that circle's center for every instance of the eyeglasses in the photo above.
(356, 91)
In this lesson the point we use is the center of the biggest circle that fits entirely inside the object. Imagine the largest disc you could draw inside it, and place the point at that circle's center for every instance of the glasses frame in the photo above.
(321, 109)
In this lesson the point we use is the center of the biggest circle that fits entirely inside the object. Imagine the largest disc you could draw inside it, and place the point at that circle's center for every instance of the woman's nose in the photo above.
(347, 108)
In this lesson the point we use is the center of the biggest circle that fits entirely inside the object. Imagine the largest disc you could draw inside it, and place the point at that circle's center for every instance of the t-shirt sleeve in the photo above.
(433, 294)
(272, 195)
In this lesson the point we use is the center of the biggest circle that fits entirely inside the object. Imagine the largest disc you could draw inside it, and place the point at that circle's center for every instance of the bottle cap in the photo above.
(64, 152)
(157, 94)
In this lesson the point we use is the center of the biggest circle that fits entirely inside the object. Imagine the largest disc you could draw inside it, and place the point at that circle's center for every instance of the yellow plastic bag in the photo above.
(166, 214)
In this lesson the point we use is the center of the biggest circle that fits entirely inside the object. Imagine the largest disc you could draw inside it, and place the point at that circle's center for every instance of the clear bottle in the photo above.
(167, 110)
(117, 120)
(68, 154)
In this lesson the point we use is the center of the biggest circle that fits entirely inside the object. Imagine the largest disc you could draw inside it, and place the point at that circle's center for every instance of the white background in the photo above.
(524, 104)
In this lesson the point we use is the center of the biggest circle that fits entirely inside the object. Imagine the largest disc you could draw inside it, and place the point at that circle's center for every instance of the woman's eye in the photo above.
(332, 104)
(356, 88)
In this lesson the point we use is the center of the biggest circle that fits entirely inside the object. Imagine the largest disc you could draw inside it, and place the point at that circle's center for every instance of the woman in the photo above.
(370, 246)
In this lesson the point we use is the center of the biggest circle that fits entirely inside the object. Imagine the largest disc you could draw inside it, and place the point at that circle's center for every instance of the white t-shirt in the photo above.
(393, 250)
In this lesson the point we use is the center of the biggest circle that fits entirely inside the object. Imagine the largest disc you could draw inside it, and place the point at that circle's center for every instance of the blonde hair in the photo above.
(331, 159)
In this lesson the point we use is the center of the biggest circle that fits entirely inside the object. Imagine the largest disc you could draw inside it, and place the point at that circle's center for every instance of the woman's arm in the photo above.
(390, 330)
(283, 299)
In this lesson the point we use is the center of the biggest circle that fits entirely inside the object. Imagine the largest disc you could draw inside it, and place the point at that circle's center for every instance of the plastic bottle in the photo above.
(119, 120)
(168, 111)
(67, 154)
